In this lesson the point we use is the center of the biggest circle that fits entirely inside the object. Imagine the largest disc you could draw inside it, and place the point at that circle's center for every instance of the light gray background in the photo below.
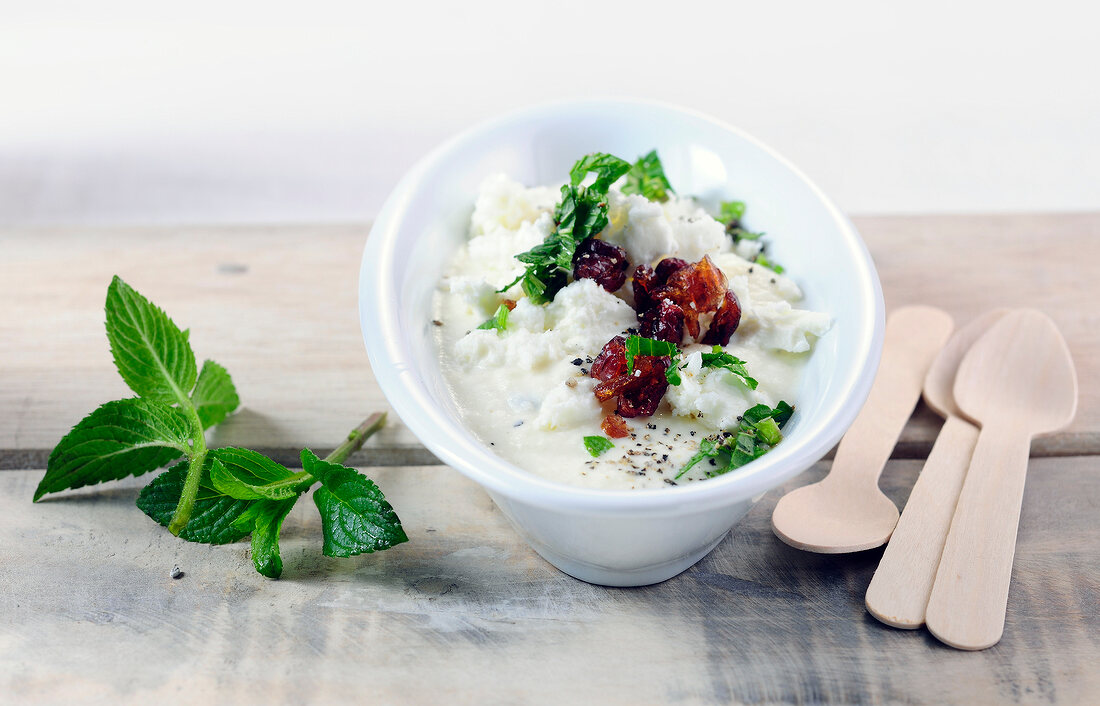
(127, 111)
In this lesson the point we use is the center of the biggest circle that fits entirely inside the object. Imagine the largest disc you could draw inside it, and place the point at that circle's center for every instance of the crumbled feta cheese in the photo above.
(503, 203)
(566, 407)
(521, 350)
(717, 393)
(782, 327)
(646, 234)
(587, 316)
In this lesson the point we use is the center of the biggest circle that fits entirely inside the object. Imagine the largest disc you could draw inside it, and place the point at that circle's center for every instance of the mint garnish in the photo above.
(214, 496)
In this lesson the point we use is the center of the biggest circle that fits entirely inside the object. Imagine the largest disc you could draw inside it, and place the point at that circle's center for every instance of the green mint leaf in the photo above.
(756, 414)
(355, 516)
(597, 445)
(758, 432)
(152, 355)
(782, 413)
(264, 520)
(647, 178)
(673, 374)
(639, 345)
(731, 212)
(720, 359)
(581, 214)
(122, 438)
(212, 519)
(707, 449)
(498, 321)
(739, 234)
(774, 267)
(214, 395)
(607, 168)
(247, 475)
(768, 431)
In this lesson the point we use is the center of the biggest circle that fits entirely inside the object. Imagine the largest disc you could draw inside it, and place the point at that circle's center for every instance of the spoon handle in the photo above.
(914, 336)
(899, 590)
(967, 606)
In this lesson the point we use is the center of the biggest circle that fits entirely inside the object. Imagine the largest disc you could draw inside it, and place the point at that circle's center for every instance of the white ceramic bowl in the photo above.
(635, 537)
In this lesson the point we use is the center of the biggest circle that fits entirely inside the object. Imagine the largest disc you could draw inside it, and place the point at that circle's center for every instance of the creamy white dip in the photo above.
(525, 390)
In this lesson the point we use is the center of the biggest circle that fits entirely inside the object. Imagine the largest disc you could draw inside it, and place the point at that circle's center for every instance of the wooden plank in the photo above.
(466, 612)
(277, 306)
(970, 264)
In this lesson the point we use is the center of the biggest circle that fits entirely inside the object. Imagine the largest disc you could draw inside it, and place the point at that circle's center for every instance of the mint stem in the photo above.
(358, 437)
(194, 471)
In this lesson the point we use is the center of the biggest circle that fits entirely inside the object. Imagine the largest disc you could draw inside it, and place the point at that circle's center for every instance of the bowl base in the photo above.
(623, 578)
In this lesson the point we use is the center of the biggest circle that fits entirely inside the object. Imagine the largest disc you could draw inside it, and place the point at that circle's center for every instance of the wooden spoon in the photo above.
(1018, 381)
(899, 590)
(846, 511)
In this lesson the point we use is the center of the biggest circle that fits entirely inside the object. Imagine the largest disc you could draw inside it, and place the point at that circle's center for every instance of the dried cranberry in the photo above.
(615, 427)
(601, 261)
(697, 289)
(640, 392)
(725, 321)
(664, 322)
(611, 362)
(645, 281)
(644, 396)
(667, 266)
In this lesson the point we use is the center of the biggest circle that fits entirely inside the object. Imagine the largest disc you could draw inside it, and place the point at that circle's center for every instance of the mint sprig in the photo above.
(581, 214)
(213, 496)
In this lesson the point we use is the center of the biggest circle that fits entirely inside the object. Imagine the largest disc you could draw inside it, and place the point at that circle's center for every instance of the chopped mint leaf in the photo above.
(498, 321)
(597, 445)
(730, 214)
(768, 431)
(707, 449)
(762, 260)
(739, 234)
(782, 413)
(757, 433)
(607, 168)
(730, 211)
(214, 395)
(581, 214)
(122, 438)
(647, 178)
(673, 374)
(152, 355)
(720, 359)
(639, 345)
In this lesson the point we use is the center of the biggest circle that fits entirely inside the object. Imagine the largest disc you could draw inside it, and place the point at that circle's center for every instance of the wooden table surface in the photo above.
(465, 612)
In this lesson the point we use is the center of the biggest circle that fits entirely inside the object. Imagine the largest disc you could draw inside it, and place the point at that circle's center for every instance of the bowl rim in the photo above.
(448, 438)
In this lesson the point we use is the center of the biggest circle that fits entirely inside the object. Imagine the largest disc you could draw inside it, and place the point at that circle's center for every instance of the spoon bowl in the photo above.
(847, 512)
(1020, 375)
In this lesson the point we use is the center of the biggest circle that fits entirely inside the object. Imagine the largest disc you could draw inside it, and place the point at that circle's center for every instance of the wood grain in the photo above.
(299, 362)
(467, 613)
